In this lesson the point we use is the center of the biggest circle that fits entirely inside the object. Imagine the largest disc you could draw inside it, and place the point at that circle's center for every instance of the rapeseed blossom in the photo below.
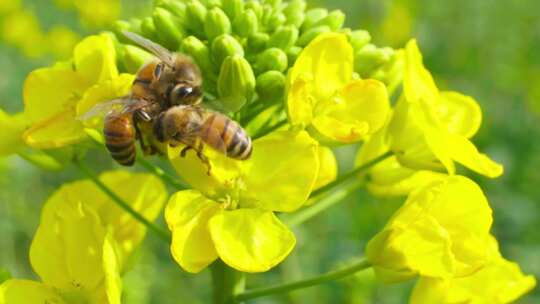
(230, 215)
(80, 223)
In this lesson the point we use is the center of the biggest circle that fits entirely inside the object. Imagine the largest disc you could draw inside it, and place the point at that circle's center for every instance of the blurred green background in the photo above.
(485, 48)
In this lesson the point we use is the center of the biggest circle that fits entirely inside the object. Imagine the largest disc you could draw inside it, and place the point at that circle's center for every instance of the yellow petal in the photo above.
(300, 101)
(111, 270)
(287, 160)
(224, 174)
(12, 127)
(187, 216)
(328, 168)
(59, 130)
(69, 232)
(417, 80)
(329, 61)
(95, 58)
(360, 110)
(465, 152)
(251, 240)
(459, 113)
(28, 292)
(50, 91)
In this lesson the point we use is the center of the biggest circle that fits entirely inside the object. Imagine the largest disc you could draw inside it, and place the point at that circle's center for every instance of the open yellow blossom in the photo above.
(389, 177)
(441, 232)
(231, 214)
(431, 129)
(499, 282)
(54, 97)
(322, 95)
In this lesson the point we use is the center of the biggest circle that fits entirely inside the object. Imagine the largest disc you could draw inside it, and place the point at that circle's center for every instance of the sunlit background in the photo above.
(487, 49)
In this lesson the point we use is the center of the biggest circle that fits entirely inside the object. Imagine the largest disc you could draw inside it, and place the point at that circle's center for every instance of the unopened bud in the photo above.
(148, 29)
(134, 58)
(371, 57)
(246, 24)
(334, 20)
(272, 59)
(233, 8)
(284, 38)
(271, 86)
(257, 42)
(195, 17)
(313, 16)
(275, 21)
(195, 48)
(211, 3)
(224, 46)
(295, 12)
(168, 28)
(256, 7)
(217, 23)
(119, 27)
(236, 83)
(310, 34)
(274, 4)
(359, 38)
(177, 8)
(293, 53)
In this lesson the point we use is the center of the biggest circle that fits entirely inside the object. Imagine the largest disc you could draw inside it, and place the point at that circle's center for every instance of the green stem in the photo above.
(161, 174)
(226, 282)
(320, 279)
(164, 235)
(270, 129)
(323, 203)
(347, 176)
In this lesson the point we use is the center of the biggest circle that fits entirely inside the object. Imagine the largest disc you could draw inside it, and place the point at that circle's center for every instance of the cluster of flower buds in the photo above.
(244, 48)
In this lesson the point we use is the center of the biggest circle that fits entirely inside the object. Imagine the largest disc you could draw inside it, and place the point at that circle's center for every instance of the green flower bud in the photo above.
(256, 7)
(177, 8)
(233, 8)
(334, 20)
(211, 3)
(272, 59)
(135, 24)
(224, 46)
(271, 86)
(313, 16)
(359, 38)
(246, 24)
(294, 12)
(257, 42)
(217, 23)
(195, 48)
(120, 26)
(236, 83)
(134, 58)
(310, 34)
(293, 53)
(284, 38)
(275, 21)
(148, 29)
(370, 57)
(274, 4)
(168, 28)
(195, 17)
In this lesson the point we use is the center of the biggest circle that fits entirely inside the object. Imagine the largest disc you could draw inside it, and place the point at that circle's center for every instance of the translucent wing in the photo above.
(161, 52)
(124, 105)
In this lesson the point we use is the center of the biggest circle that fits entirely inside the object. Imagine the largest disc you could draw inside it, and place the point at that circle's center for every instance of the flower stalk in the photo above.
(226, 283)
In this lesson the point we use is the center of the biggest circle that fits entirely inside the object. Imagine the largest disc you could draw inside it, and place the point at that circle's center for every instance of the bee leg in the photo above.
(205, 160)
(185, 150)
(139, 116)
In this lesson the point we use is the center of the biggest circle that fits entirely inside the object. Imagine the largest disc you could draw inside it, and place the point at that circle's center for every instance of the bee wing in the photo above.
(124, 105)
(161, 52)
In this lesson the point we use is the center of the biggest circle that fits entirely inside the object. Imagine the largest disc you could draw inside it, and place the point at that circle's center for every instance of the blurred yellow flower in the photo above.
(97, 13)
(389, 177)
(231, 214)
(321, 92)
(54, 97)
(499, 282)
(431, 129)
(441, 232)
(84, 241)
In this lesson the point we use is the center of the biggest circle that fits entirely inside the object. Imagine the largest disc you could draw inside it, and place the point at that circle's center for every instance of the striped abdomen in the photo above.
(225, 135)
(120, 138)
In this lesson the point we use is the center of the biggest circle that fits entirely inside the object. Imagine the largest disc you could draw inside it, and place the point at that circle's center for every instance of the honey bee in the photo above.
(172, 79)
(195, 127)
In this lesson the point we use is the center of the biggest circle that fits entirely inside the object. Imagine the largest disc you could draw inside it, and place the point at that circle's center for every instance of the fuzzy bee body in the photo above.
(120, 138)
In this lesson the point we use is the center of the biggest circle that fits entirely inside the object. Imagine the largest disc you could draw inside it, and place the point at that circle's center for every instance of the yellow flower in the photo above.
(441, 231)
(327, 167)
(431, 129)
(322, 94)
(84, 241)
(231, 214)
(98, 13)
(53, 97)
(499, 282)
(389, 177)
